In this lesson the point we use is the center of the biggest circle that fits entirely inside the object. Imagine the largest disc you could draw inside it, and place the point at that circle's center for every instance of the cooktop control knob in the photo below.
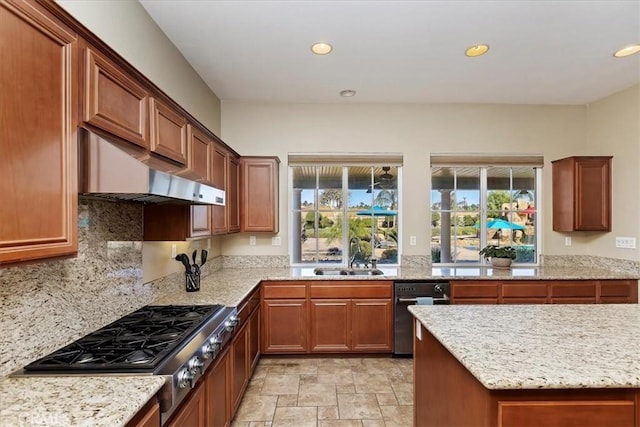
(437, 288)
(195, 364)
(212, 347)
(231, 323)
(185, 378)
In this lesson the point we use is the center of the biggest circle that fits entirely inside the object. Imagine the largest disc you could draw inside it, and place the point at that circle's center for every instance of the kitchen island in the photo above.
(527, 365)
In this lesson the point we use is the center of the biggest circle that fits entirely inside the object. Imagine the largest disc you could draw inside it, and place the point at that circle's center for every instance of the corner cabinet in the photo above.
(259, 194)
(582, 193)
(39, 102)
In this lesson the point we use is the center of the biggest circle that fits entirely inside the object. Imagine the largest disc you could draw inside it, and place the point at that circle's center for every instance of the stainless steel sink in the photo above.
(337, 271)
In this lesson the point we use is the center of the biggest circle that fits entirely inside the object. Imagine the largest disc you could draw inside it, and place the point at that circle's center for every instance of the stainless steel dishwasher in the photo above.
(406, 294)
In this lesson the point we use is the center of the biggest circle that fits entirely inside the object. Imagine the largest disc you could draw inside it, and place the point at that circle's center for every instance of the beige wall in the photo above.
(129, 30)
(416, 131)
(613, 128)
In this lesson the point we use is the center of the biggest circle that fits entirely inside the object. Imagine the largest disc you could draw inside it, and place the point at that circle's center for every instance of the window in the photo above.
(344, 214)
(474, 206)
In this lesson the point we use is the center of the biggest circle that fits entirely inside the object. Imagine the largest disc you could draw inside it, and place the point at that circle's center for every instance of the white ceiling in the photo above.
(542, 51)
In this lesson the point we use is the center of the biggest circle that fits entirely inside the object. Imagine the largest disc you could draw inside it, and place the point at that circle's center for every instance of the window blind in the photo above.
(345, 159)
(485, 160)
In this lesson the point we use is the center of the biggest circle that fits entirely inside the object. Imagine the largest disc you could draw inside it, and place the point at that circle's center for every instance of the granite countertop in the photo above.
(79, 401)
(230, 286)
(541, 346)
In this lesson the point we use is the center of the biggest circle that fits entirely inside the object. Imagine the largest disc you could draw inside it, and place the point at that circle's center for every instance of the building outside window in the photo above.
(344, 211)
(474, 205)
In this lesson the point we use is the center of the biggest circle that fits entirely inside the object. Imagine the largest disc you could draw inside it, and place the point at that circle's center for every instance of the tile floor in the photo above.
(329, 392)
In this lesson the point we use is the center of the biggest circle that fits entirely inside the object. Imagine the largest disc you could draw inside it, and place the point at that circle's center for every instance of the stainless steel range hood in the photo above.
(108, 172)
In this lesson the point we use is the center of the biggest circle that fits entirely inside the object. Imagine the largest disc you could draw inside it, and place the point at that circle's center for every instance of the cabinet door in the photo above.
(199, 158)
(484, 292)
(218, 393)
(618, 291)
(38, 147)
(149, 416)
(114, 102)
(372, 325)
(284, 326)
(200, 224)
(239, 366)
(259, 201)
(168, 132)
(330, 322)
(254, 339)
(192, 411)
(593, 194)
(233, 195)
(219, 175)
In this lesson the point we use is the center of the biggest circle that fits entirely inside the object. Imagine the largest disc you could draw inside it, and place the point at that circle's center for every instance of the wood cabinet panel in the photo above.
(563, 413)
(259, 195)
(218, 392)
(618, 288)
(149, 416)
(576, 300)
(38, 134)
(285, 326)
(284, 290)
(168, 132)
(371, 328)
(330, 322)
(219, 172)
(572, 289)
(524, 289)
(475, 301)
(199, 149)
(524, 300)
(582, 193)
(476, 289)
(113, 101)
(361, 290)
(192, 411)
(200, 224)
(254, 338)
(175, 222)
(239, 366)
(233, 195)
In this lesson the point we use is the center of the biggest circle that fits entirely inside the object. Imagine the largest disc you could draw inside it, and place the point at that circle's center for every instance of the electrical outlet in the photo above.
(567, 241)
(252, 240)
(626, 242)
(174, 251)
(276, 241)
(413, 241)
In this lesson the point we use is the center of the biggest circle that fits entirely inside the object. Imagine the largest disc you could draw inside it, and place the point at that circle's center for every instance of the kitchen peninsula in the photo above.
(527, 365)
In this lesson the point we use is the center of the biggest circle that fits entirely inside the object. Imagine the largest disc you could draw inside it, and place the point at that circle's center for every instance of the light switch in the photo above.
(412, 240)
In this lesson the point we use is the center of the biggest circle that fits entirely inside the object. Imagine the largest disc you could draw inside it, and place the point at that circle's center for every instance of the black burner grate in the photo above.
(137, 342)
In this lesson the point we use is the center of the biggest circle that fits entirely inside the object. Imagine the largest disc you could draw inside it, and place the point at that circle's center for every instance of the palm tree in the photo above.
(386, 198)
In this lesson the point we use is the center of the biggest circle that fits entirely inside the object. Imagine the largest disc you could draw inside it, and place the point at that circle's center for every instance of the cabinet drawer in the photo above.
(351, 291)
(284, 290)
(475, 290)
(617, 288)
(563, 413)
(524, 290)
(574, 300)
(524, 300)
(573, 289)
(461, 301)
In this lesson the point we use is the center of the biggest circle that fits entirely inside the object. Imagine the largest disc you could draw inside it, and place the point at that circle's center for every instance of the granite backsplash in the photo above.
(46, 305)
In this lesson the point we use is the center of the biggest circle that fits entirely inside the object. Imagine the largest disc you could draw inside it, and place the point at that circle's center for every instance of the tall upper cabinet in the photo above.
(259, 194)
(582, 193)
(38, 176)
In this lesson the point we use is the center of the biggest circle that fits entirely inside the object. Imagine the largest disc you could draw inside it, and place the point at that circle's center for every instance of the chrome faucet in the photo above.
(353, 252)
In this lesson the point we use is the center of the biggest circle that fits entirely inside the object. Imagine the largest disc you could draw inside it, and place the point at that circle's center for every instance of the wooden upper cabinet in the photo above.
(199, 156)
(259, 200)
(38, 136)
(219, 171)
(113, 101)
(233, 195)
(176, 222)
(582, 193)
(168, 132)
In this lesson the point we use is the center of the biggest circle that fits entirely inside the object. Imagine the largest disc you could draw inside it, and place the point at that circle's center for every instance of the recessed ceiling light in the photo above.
(347, 93)
(627, 51)
(477, 50)
(321, 48)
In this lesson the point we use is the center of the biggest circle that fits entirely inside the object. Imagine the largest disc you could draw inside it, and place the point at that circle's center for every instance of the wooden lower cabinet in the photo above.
(218, 393)
(239, 365)
(284, 326)
(371, 325)
(193, 409)
(440, 393)
(254, 338)
(330, 325)
(544, 292)
(149, 416)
